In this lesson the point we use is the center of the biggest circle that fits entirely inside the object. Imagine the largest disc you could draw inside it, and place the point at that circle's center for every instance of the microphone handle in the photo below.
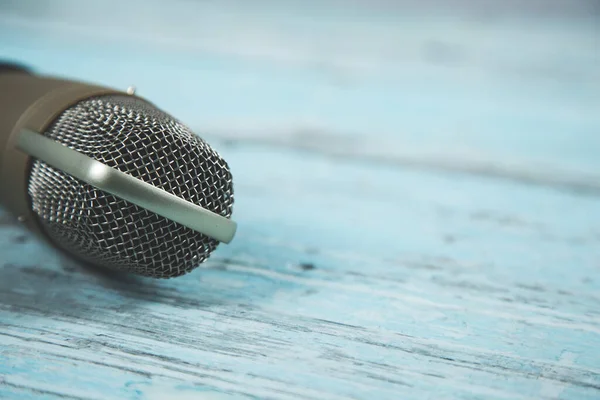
(30, 102)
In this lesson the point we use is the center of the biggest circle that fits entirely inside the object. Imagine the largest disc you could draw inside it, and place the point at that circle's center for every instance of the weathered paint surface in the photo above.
(408, 228)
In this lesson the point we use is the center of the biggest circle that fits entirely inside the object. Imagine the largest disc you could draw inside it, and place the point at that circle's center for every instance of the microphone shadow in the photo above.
(38, 280)
(73, 289)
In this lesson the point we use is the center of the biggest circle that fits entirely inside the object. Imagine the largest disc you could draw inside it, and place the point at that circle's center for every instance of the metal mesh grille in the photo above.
(132, 136)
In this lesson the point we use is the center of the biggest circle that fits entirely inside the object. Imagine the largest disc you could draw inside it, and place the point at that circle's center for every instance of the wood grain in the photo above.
(398, 262)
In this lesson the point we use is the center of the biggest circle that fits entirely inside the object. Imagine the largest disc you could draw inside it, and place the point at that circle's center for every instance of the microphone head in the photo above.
(132, 136)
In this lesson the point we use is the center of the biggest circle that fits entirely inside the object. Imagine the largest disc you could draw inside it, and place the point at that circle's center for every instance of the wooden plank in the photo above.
(475, 287)
(379, 255)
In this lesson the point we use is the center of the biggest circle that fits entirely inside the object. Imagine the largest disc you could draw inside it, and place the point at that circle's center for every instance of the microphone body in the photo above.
(109, 178)
(29, 102)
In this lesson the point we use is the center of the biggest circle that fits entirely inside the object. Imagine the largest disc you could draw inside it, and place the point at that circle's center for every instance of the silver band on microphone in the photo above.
(126, 186)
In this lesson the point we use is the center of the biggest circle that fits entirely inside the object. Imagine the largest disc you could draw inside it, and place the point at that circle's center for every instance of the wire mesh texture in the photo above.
(130, 135)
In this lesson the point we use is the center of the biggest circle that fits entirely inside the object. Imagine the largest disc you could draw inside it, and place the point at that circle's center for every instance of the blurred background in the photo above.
(492, 87)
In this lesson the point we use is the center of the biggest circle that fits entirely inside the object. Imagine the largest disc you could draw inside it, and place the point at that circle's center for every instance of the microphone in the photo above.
(109, 178)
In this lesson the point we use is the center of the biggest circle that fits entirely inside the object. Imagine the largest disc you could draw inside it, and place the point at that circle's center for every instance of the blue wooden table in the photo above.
(417, 192)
